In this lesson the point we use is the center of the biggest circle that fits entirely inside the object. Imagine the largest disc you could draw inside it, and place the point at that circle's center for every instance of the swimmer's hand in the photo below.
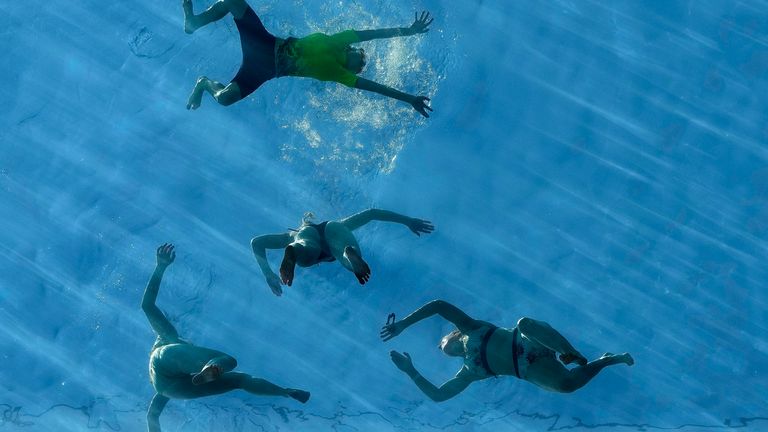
(419, 103)
(403, 362)
(420, 226)
(274, 283)
(389, 331)
(165, 255)
(420, 23)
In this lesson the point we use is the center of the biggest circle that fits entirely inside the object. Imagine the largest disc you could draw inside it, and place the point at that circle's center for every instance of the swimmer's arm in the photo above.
(418, 226)
(259, 246)
(366, 35)
(153, 413)
(158, 321)
(419, 103)
(447, 390)
(449, 312)
(368, 85)
(420, 25)
(270, 241)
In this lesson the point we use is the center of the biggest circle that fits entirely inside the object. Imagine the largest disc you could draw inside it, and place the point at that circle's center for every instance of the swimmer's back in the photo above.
(322, 57)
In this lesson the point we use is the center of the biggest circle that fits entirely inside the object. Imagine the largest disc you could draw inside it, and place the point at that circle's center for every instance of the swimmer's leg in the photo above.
(238, 380)
(304, 251)
(548, 373)
(225, 95)
(345, 249)
(215, 12)
(544, 334)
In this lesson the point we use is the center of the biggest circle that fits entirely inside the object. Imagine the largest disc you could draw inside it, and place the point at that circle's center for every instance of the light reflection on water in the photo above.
(598, 166)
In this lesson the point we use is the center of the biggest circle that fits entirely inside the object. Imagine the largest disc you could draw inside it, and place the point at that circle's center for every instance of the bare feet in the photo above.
(300, 395)
(288, 266)
(625, 358)
(189, 17)
(359, 267)
(208, 374)
(574, 357)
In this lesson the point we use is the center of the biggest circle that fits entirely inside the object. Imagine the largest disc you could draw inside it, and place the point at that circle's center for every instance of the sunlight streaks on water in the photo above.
(599, 166)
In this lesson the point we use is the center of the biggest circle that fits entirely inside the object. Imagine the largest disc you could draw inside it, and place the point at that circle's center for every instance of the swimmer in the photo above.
(327, 241)
(320, 56)
(528, 351)
(180, 370)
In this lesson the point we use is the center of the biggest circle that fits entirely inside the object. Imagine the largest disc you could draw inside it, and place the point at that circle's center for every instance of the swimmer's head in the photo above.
(452, 344)
(307, 218)
(355, 59)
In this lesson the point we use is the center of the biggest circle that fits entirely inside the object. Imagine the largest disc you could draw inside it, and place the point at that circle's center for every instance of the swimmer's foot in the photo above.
(625, 358)
(359, 267)
(300, 395)
(288, 266)
(196, 96)
(208, 374)
(190, 24)
(574, 357)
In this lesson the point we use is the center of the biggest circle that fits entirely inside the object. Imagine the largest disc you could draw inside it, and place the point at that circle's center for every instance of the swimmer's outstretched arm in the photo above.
(449, 312)
(420, 25)
(160, 324)
(447, 390)
(418, 226)
(153, 413)
(270, 241)
(419, 103)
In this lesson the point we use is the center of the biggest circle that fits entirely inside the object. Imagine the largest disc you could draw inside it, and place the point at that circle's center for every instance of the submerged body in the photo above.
(528, 351)
(319, 56)
(328, 241)
(181, 370)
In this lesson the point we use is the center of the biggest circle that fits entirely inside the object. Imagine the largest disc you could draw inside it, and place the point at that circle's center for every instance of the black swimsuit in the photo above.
(517, 349)
(258, 47)
(484, 348)
(325, 248)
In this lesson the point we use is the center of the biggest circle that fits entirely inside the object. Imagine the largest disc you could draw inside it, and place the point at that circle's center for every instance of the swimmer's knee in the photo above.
(227, 98)
(526, 325)
(236, 7)
(233, 3)
(231, 362)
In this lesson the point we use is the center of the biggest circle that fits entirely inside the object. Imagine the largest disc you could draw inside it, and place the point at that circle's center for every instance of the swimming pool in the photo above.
(602, 168)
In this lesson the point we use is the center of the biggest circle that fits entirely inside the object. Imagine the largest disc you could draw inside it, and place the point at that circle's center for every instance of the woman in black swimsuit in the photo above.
(527, 351)
(328, 241)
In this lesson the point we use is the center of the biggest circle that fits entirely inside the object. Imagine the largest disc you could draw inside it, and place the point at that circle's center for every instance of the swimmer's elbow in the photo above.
(148, 306)
(257, 245)
(437, 305)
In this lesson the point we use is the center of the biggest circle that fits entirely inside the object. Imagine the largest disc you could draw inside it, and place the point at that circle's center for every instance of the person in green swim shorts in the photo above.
(181, 370)
(320, 56)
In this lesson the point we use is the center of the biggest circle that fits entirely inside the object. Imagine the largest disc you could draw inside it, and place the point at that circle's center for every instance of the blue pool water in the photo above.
(602, 168)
